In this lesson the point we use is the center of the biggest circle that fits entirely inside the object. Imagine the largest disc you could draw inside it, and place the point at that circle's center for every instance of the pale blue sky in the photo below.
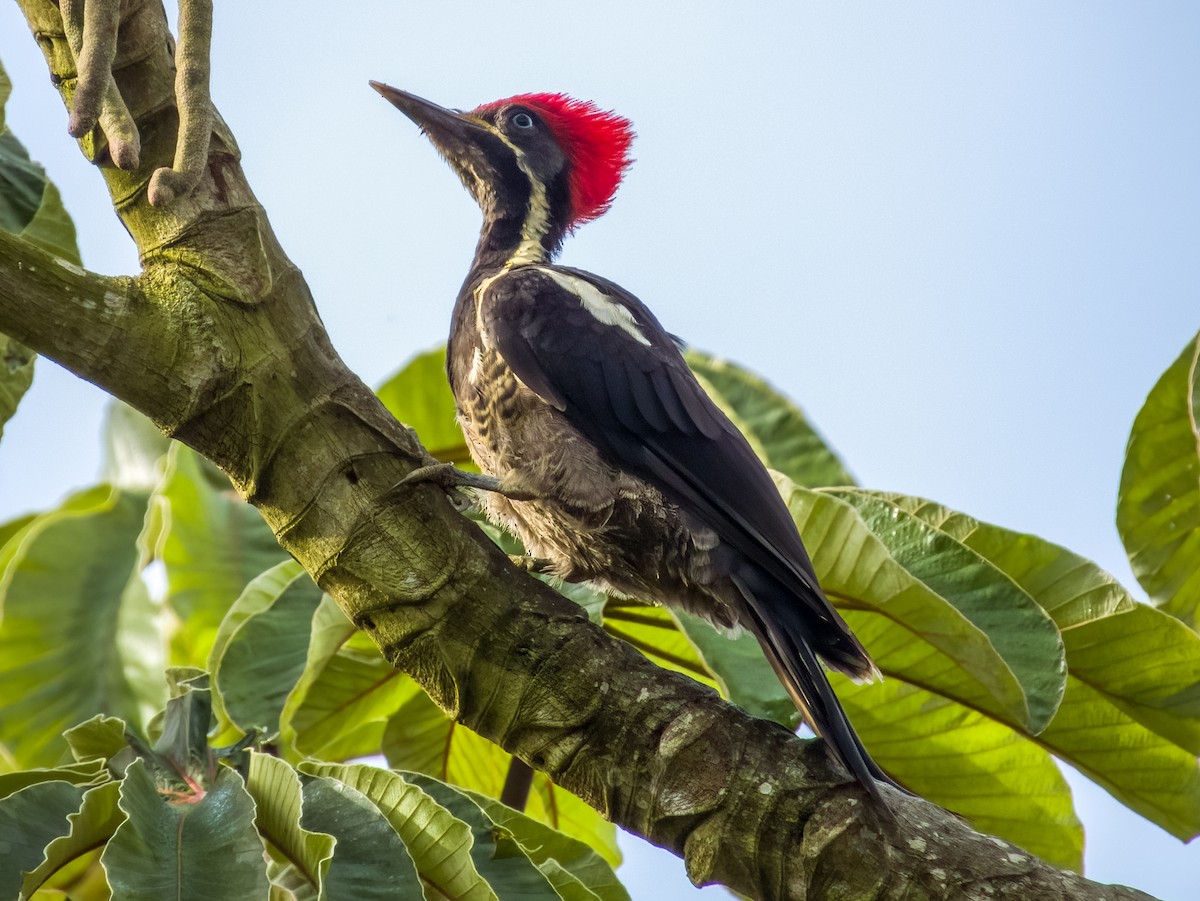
(963, 236)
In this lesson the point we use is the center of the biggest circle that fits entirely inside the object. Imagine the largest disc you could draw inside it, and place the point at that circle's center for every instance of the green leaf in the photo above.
(371, 861)
(213, 545)
(1018, 628)
(572, 867)
(419, 396)
(90, 827)
(1158, 505)
(73, 637)
(88, 773)
(984, 770)
(438, 843)
(30, 208)
(915, 634)
(100, 738)
(10, 532)
(262, 645)
(16, 375)
(182, 749)
(5, 93)
(275, 788)
(421, 738)
(1130, 718)
(30, 205)
(498, 858)
(346, 693)
(775, 425)
(168, 850)
(30, 819)
(134, 449)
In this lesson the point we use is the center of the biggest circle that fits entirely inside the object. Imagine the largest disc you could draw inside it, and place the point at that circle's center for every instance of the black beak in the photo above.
(455, 134)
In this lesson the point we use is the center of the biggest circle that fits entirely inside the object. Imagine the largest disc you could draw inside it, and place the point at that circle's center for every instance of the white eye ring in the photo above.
(522, 120)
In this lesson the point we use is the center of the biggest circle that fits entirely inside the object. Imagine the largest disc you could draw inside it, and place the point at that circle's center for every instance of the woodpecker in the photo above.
(599, 448)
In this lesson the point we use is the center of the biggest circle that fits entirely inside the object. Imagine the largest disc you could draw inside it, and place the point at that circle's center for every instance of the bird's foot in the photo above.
(452, 480)
(531, 564)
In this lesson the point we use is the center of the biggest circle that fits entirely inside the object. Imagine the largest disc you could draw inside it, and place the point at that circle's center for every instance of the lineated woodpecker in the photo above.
(599, 448)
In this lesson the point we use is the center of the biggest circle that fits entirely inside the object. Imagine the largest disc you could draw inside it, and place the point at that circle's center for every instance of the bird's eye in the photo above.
(522, 120)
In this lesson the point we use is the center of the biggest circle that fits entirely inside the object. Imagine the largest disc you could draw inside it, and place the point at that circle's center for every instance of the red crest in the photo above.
(595, 141)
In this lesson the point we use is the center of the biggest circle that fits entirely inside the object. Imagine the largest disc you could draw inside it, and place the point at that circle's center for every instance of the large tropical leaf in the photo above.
(202, 849)
(574, 868)
(438, 843)
(261, 647)
(1129, 714)
(276, 790)
(90, 827)
(30, 819)
(1130, 718)
(345, 695)
(1020, 630)
(497, 857)
(78, 632)
(30, 208)
(212, 545)
(1158, 506)
(420, 737)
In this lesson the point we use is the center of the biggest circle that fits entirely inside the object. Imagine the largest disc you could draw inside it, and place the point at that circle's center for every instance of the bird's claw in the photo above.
(453, 480)
(449, 477)
(529, 564)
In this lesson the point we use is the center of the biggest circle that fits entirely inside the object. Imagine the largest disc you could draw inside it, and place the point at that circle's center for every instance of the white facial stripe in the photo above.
(602, 307)
(537, 223)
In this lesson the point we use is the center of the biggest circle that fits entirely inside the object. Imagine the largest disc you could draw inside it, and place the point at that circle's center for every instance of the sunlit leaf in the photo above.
(212, 546)
(777, 428)
(498, 859)
(1016, 625)
(75, 626)
(134, 449)
(917, 635)
(421, 738)
(346, 693)
(1130, 718)
(577, 872)
(438, 843)
(968, 762)
(419, 396)
(275, 788)
(168, 849)
(1158, 506)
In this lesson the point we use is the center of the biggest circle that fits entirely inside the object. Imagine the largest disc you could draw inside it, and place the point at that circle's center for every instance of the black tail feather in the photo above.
(779, 623)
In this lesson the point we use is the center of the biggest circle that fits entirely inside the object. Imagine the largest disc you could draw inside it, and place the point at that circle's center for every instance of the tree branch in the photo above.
(218, 342)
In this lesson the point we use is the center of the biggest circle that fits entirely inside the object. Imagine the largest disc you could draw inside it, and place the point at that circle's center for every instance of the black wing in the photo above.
(604, 361)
